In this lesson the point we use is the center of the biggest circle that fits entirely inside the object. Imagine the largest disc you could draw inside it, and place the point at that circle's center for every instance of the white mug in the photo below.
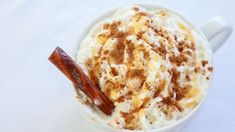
(216, 31)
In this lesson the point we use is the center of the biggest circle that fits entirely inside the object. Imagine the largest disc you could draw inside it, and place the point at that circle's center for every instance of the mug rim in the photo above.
(108, 13)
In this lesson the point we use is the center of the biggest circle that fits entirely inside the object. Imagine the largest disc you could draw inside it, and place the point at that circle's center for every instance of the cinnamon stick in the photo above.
(80, 80)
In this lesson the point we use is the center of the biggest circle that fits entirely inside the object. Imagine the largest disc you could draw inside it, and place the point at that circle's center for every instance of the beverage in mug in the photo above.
(151, 64)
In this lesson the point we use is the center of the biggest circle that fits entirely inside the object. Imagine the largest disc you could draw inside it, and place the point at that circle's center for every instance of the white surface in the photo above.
(35, 96)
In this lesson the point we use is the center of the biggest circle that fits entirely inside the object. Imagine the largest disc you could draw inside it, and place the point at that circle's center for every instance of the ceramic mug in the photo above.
(215, 32)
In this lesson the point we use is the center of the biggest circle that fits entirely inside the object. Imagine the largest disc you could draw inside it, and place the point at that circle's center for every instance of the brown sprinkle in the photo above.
(137, 73)
(139, 35)
(175, 75)
(204, 62)
(196, 69)
(178, 60)
(160, 50)
(114, 71)
(129, 119)
(117, 53)
(177, 89)
(135, 8)
(210, 69)
(127, 96)
(129, 51)
(188, 78)
(170, 102)
(106, 25)
(160, 88)
(181, 46)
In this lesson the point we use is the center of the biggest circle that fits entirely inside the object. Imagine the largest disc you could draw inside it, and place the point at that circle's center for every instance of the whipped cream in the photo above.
(150, 63)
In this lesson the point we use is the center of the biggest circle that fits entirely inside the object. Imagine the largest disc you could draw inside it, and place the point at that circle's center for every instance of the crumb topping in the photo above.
(149, 71)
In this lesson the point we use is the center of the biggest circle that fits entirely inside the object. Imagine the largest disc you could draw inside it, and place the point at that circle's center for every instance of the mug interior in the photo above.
(86, 113)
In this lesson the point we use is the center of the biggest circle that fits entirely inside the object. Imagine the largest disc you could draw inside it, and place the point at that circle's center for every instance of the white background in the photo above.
(36, 97)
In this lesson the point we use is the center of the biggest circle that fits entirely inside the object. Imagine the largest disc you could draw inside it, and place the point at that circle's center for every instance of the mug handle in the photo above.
(217, 31)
